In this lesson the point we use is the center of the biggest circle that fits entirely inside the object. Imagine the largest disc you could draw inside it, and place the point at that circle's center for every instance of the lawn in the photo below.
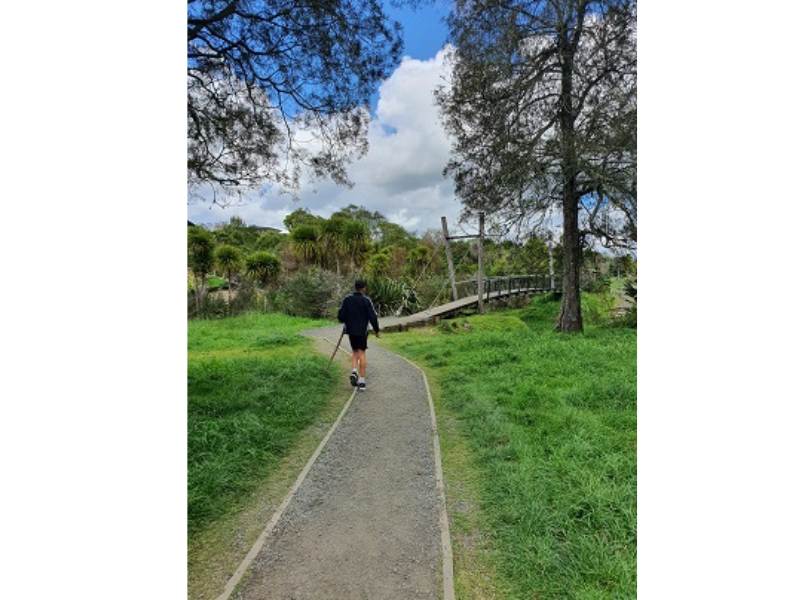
(549, 422)
(254, 384)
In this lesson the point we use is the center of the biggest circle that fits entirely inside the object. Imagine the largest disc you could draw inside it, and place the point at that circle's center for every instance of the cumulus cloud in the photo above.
(401, 174)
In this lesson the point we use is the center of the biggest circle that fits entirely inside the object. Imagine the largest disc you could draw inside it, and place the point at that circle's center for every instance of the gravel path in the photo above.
(364, 524)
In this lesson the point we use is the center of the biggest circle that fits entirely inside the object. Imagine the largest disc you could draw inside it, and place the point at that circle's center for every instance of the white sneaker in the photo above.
(362, 386)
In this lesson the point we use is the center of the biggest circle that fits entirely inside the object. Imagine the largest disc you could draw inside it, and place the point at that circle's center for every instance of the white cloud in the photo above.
(401, 175)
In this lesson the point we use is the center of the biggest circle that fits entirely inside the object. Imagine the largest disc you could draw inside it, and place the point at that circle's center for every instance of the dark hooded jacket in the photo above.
(356, 313)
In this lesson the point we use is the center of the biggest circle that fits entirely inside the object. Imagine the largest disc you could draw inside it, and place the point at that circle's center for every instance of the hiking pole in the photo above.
(337, 347)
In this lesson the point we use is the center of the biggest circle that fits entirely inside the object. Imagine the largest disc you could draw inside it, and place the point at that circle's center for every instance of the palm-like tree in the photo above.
(418, 259)
(332, 240)
(263, 266)
(229, 260)
(201, 259)
(305, 241)
(356, 241)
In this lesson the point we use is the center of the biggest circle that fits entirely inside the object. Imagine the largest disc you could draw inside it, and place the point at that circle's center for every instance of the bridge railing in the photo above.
(507, 283)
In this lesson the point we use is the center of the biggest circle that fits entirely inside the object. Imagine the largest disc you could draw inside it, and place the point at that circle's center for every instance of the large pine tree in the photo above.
(542, 110)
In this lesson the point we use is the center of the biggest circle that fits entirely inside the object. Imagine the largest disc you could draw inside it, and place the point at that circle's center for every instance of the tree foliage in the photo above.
(229, 260)
(305, 241)
(201, 259)
(356, 241)
(263, 73)
(263, 266)
(300, 216)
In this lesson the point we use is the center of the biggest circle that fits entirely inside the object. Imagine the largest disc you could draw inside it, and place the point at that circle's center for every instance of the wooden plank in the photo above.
(427, 316)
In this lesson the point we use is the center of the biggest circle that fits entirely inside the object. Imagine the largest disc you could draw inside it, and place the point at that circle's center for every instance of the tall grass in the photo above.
(253, 385)
(551, 423)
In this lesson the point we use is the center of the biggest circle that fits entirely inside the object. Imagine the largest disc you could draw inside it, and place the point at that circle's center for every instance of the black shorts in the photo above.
(358, 342)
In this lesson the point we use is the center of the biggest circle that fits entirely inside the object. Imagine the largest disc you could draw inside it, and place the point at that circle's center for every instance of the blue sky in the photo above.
(424, 30)
(401, 175)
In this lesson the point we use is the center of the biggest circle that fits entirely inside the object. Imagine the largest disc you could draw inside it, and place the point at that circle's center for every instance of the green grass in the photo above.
(550, 422)
(253, 385)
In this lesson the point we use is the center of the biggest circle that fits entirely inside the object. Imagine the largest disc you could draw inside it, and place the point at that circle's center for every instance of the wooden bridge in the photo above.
(494, 288)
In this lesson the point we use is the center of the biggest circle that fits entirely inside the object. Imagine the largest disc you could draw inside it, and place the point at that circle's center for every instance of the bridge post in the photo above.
(449, 253)
(480, 262)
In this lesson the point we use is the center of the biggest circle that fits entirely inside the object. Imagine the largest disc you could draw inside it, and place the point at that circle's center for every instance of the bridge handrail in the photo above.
(519, 276)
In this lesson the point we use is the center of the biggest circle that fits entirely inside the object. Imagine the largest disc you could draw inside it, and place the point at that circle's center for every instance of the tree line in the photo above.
(405, 271)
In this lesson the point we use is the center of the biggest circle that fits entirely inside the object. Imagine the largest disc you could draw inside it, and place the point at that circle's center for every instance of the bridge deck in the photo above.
(425, 316)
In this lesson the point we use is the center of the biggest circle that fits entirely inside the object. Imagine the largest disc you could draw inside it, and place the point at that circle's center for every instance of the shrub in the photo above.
(270, 240)
(597, 308)
(211, 306)
(628, 318)
(596, 285)
(390, 296)
(630, 289)
(314, 293)
(378, 264)
(246, 298)
(432, 288)
(449, 326)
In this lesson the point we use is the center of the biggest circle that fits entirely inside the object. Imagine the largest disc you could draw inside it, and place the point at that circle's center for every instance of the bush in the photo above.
(432, 288)
(447, 326)
(214, 306)
(630, 289)
(597, 308)
(314, 293)
(596, 285)
(246, 298)
(211, 307)
(391, 296)
(627, 319)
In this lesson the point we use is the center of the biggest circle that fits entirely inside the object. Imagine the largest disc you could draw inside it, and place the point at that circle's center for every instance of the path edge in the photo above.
(444, 523)
(236, 578)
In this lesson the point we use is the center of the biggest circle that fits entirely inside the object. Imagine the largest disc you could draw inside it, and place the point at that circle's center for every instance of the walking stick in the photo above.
(337, 347)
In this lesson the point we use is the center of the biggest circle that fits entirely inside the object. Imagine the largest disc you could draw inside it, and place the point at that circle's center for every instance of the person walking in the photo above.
(357, 312)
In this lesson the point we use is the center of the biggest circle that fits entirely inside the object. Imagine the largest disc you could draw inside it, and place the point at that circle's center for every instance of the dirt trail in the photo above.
(365, 523)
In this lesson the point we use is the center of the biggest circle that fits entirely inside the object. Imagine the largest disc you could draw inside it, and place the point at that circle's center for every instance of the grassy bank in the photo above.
(548, 423)
(254, 384)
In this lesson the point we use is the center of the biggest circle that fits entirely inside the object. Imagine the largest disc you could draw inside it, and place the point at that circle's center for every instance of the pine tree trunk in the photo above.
(570, 318)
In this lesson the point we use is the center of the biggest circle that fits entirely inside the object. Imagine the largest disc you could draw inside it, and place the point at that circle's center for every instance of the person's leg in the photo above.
(354, 372)
(362, 363)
